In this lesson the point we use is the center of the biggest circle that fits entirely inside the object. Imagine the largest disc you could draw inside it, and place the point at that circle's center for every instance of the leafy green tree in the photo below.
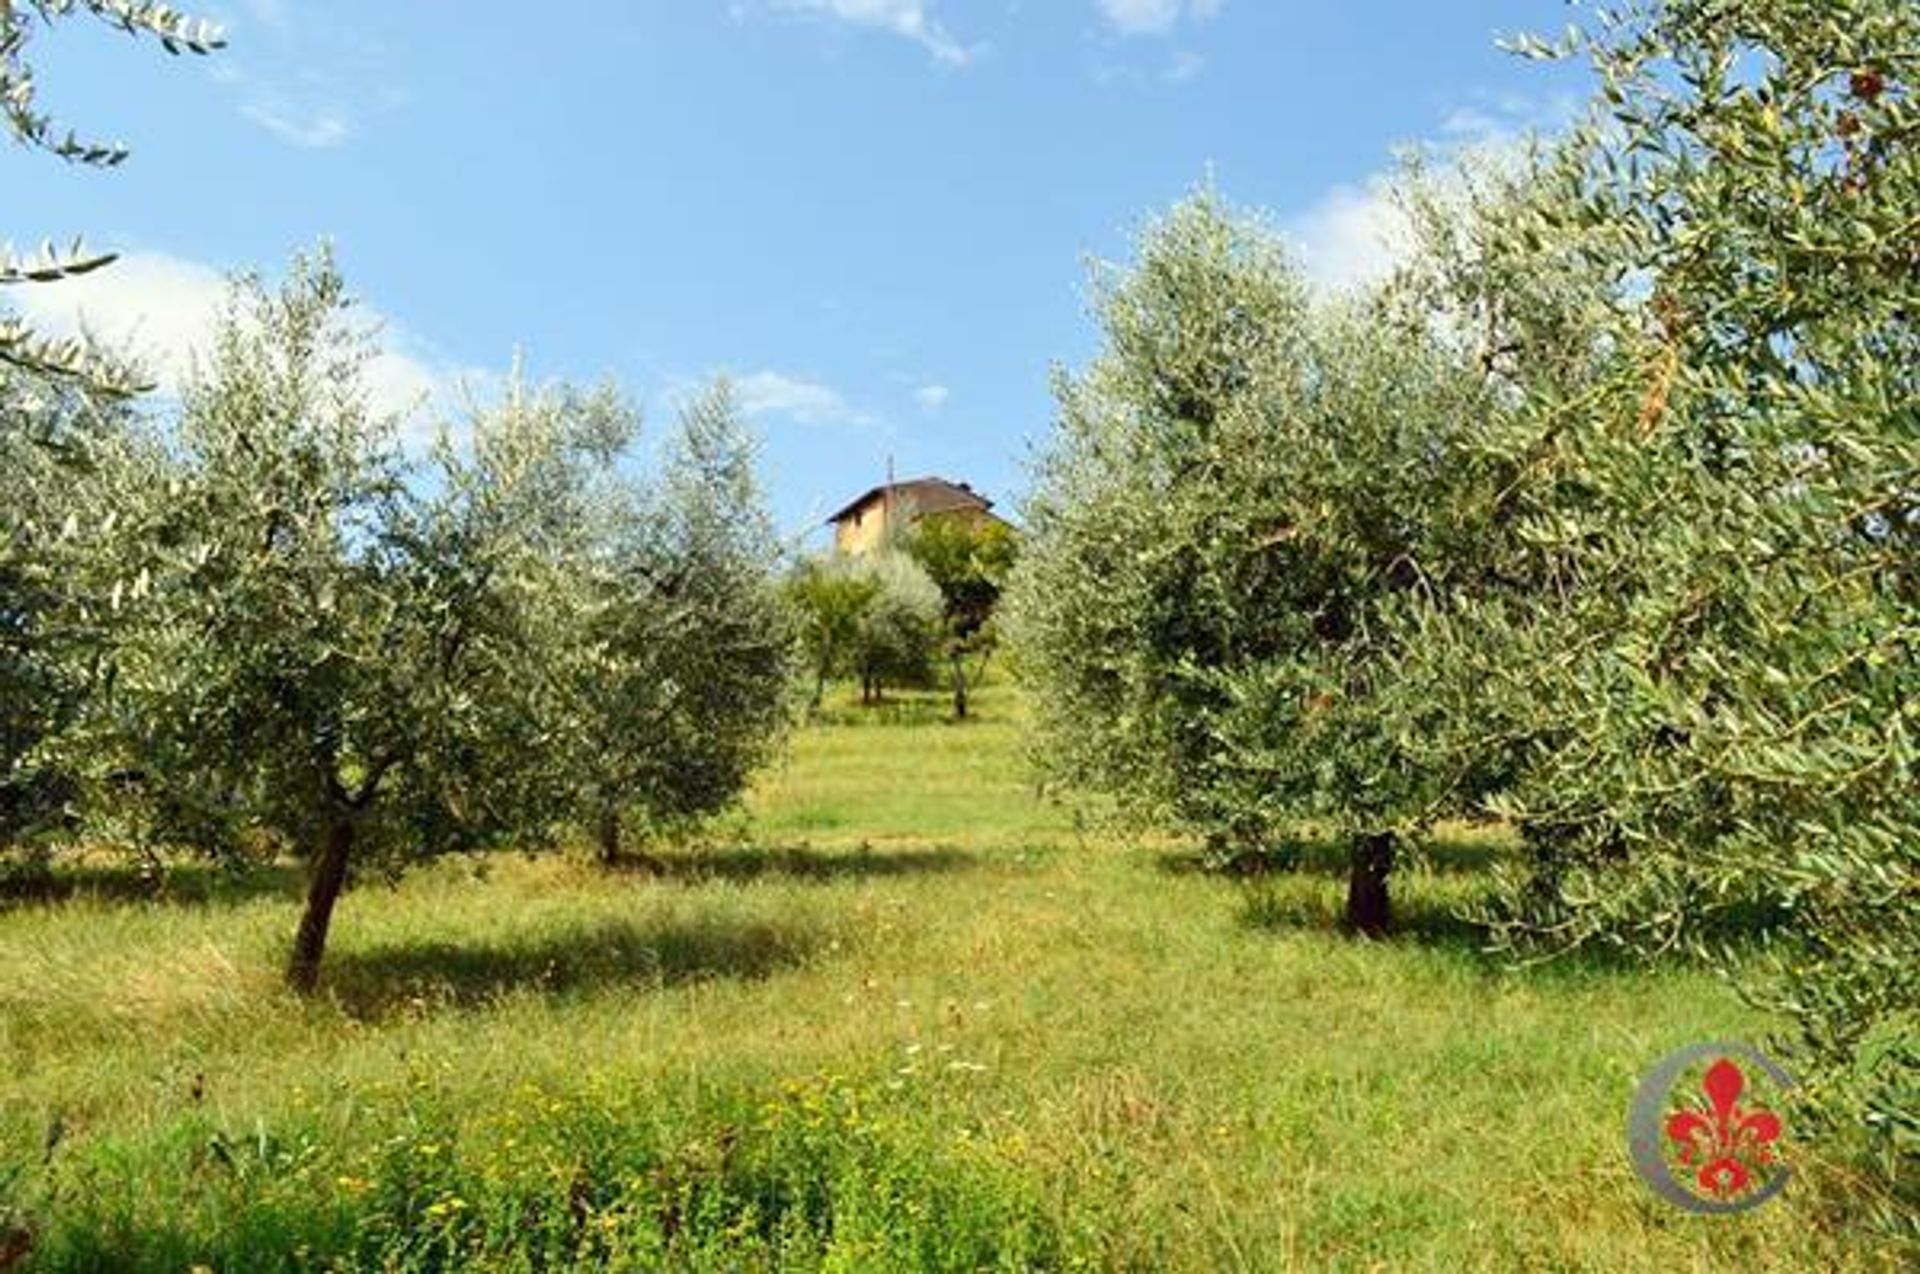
(1243, 483)
(969, 563)
(1528, 300)
(1723, 679)
(875, 616)
(1109, 610)
(272, 663)
(20, 22)
(297, 646)
(688, 649)
(899, 628)
(828, 597)
(313, 642)
(44, 386)
(55, 437)
(524, 501)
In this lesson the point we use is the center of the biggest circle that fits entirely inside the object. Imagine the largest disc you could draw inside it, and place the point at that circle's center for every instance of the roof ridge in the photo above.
(959, 488)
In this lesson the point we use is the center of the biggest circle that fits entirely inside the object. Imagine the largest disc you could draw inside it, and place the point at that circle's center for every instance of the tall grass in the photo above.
(902, 1015)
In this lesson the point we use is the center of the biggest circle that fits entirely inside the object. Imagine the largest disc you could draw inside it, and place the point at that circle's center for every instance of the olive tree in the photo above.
(32, 695)
(1738, 501)
(969, 563)
(47, 386)
(301, 647)
(57, 438)
(687, 651)
(899, 627)
(1243, 483)
(522, 500)
(1528, 301)
(271, 661)
(827, 599)
(874, 616)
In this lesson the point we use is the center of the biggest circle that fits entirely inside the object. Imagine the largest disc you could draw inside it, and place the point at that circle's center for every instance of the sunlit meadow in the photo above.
(903, 1012)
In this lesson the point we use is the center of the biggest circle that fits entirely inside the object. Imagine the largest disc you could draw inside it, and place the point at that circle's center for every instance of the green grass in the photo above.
(908, 1016)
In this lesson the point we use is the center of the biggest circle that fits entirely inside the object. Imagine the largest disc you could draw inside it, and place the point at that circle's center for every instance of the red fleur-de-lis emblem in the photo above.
(1724, 1143)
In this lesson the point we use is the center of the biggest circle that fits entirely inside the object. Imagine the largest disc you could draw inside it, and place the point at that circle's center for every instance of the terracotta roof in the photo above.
(925, 495)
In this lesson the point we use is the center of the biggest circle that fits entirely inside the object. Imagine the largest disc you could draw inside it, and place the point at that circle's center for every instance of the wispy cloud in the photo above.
(315, 127)
(164, 310)
(1182, 66)
(932, 397)
(1154, 17)
(801, 399)
(913, 20)
(311, 84)
(1185, 65)
(1502, 121)
(1138, 44)
(274, 15)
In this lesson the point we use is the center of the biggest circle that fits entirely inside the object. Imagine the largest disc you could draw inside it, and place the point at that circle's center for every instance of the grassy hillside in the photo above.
(907, 1015)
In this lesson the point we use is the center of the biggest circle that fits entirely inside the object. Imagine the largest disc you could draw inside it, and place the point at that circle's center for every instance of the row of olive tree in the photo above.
(1600, 516)
(262, 624)
(889, 615)
(873, 616)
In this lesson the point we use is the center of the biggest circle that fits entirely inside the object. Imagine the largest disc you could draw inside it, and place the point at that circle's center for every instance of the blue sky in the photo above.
(875, 214)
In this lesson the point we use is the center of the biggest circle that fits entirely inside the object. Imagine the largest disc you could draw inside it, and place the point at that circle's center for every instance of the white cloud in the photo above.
(164, 310)
(1504, 122)
(302, 109)
(797, 398)
(1179, 67)
(1154, 17)
(932, 397)
(909, 19)
(158, 307)
(1352, 236)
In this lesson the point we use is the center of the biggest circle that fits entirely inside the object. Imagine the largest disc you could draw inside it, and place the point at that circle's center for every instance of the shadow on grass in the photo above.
(197, 884)
(1446, 854)
(1309, 905)
(748, 862)
(899, 708)
(1442, 898)
(1437, 913)
(427, 974)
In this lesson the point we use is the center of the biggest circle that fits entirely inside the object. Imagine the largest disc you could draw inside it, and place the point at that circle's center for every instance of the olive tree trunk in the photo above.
(959, 686)
(323, 890)
(609, 835)
(1368, 911)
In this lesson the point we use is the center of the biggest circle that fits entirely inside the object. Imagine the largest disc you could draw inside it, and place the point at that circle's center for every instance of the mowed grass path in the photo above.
(905, 959)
